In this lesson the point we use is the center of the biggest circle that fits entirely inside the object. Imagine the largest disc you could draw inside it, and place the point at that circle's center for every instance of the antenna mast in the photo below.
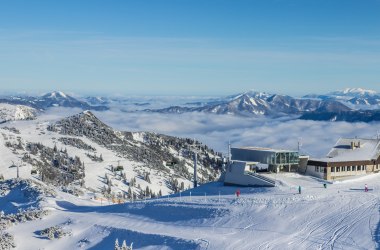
(299, 144)
(229, 151)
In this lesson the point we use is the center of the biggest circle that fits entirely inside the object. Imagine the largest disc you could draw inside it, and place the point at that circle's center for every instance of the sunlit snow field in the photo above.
(342, 216)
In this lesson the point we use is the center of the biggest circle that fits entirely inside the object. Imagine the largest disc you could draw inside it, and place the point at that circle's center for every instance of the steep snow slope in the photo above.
(342, 216)
(151, 165)
(9, 112)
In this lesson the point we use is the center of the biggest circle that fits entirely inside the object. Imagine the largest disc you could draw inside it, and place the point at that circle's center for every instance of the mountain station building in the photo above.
(276, 159)
(248, 165)
(349, 157)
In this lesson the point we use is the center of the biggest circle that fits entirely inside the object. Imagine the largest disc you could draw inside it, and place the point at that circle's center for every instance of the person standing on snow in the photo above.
(299, 189)
(365, 188)
(238, 193)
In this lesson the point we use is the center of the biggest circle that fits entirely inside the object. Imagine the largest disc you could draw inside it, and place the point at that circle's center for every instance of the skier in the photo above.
(365, 188)
(299, 189)
(238, 193)
(324, 185)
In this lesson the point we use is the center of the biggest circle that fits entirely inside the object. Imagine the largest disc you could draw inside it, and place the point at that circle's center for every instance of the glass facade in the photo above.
(284, 158)
(266, 156)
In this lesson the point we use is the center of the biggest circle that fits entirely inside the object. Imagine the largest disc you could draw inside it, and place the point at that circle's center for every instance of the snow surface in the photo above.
(9, 112)
(359, 91)
(342, 151)
(35, 131)
(341, 216)
(57, 94)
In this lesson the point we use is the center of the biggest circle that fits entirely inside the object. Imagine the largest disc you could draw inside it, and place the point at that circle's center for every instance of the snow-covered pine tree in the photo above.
(117, 247)
(124, 246)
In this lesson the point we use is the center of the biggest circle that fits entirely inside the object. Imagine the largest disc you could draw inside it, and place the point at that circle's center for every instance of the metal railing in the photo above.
(261, 177)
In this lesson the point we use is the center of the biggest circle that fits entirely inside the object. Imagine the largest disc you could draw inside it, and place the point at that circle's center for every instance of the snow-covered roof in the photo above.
(354, 149)
(266, 149)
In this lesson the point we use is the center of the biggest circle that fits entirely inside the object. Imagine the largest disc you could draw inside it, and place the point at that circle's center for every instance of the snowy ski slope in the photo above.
(211, 217)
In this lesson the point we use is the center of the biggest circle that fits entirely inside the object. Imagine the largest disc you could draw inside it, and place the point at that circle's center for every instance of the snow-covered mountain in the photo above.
(354, 92)
(254, 103)
(52, 99)
(355, 98)
(81, 150)
(97, 100)
(10, 112)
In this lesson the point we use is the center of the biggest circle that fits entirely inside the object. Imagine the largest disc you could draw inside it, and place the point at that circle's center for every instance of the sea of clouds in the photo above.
(316, 137)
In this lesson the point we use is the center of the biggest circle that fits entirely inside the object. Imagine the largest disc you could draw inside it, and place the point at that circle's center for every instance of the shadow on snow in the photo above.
(141, 240)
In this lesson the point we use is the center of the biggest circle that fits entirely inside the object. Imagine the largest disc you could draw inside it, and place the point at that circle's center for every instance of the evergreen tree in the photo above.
(146, 177)
(124, 246)
(129, 192)
(147, 191)
(117, 247)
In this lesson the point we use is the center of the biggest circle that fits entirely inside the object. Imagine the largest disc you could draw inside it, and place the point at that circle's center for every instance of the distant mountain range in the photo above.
(53, 99)
(351, 104)
(356, 98)
(254, 103)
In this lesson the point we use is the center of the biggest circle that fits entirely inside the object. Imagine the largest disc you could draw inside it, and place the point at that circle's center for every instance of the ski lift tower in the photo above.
(195, 169)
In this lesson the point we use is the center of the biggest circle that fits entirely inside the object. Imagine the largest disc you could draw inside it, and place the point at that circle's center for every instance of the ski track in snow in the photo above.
(263, 218)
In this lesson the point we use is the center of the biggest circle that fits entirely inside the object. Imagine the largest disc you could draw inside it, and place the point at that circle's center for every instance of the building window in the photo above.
(348, 168)
(333, 169)
(344, 169)
(316, 169)
(338, 169)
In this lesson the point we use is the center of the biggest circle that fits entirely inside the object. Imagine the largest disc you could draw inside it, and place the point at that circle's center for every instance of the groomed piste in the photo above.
(340, 216)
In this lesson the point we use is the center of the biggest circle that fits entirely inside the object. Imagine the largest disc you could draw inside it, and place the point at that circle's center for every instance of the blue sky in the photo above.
(183, 47)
